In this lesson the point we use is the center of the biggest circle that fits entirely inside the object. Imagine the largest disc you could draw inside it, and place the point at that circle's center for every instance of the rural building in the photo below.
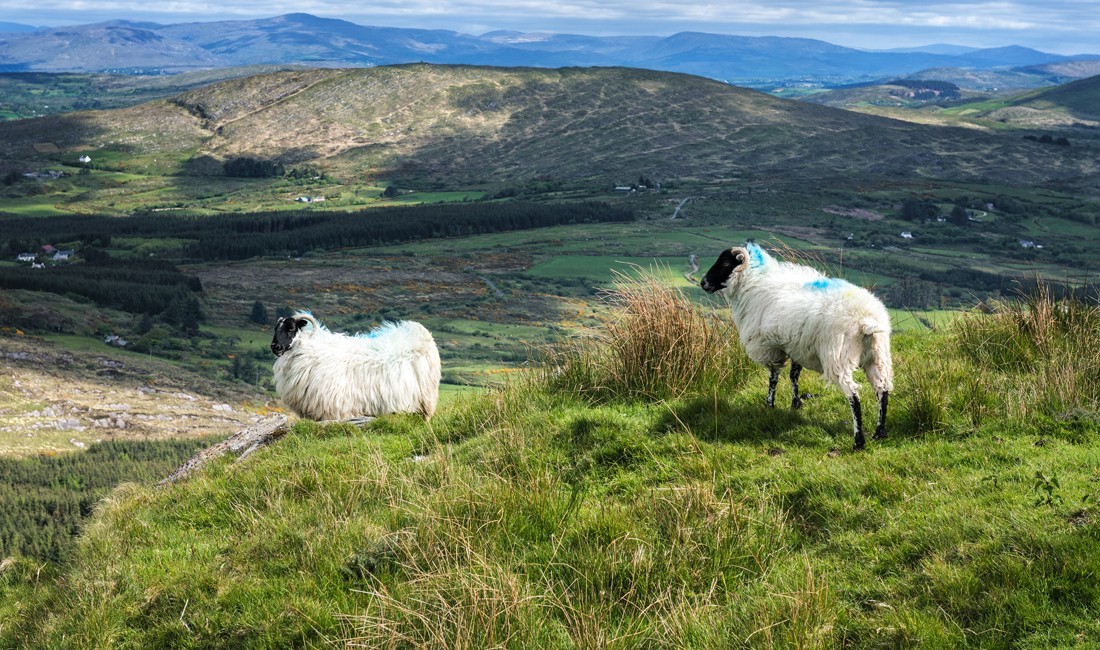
(27, 257)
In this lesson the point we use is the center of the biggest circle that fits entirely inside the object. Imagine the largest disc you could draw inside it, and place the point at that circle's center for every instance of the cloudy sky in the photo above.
(1060, 26)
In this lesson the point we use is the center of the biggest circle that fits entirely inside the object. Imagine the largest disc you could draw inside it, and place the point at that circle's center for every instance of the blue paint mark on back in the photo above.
(825, 284)
(384, 328)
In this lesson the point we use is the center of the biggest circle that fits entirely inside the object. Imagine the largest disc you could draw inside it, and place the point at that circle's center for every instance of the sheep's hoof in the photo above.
(880, 434)
(799, 400)
(359, 422)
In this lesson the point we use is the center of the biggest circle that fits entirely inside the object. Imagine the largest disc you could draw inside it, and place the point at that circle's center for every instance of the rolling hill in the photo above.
(1073, 104)
(463, 125)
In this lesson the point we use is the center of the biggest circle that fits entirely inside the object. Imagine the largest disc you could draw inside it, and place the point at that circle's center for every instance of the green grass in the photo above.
(536, 517)
(600, 268)
(35, 206)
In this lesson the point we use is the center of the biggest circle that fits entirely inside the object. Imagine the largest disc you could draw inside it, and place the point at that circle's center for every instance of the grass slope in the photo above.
(583, 508)
(1072, 104)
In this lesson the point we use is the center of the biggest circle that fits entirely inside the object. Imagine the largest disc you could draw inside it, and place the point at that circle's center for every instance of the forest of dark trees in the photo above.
(44, 498)
(136, 286)
(928, 88)
(235, 237)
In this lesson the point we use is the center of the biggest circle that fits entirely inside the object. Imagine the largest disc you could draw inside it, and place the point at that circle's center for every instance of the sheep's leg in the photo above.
(796, 399)
(773, 381)
(880, 430)
(857, 421)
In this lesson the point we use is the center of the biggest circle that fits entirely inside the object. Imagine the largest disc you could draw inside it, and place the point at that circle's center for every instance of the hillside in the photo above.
(1076, 103)
(911, 93)
(600, 506)
(465, 126)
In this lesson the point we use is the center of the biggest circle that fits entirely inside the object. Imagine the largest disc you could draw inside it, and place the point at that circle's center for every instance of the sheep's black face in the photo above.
(285, 331)
(718, 277)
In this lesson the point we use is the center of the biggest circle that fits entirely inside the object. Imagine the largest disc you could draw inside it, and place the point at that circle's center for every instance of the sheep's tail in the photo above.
(880, 370)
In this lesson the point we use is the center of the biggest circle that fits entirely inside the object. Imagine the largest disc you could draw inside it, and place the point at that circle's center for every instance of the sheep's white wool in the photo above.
(824, 324)
(787, 311)
(332, 376)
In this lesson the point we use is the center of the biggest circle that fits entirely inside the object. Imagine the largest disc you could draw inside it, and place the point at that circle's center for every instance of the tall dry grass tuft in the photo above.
(1052, 346)
(652, 343)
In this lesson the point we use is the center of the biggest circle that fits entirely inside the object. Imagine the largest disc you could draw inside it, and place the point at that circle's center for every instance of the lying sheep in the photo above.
(324, 375)
(785, 310)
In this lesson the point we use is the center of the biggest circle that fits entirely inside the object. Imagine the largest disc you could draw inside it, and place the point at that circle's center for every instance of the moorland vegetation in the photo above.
(613, 498)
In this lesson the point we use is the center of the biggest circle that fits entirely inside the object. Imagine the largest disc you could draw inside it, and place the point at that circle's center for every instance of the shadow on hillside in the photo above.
(719, 420)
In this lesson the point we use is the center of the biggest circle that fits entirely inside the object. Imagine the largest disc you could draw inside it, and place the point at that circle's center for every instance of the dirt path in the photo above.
(693, 261)
(676, 212)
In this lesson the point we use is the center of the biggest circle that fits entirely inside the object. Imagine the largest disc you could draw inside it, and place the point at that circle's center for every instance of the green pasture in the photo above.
(904, 320)
(418, 197)
(631, 240)
(248, 338)
(602, 269)
(33, 206)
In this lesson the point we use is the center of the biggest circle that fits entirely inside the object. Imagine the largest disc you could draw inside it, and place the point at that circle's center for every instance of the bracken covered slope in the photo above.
(463, 124)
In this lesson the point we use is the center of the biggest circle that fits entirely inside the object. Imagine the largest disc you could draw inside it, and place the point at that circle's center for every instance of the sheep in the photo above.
(322, 375)
(788, 311)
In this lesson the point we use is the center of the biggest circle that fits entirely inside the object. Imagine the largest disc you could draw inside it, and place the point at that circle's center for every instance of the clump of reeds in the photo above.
(1052, 345)
(652, 342)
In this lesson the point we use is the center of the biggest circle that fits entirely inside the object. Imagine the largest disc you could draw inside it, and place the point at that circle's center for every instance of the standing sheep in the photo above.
(324, 375)
(788, 311)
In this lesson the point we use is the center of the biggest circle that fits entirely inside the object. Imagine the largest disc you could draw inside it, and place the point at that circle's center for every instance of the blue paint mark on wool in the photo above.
(824, 284)
(756, 256)
(384, 328)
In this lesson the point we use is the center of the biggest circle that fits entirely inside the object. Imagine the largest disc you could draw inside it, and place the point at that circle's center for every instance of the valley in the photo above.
(504, 209)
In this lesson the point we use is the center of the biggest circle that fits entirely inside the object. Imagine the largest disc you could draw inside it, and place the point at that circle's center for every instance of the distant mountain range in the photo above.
(123, 46)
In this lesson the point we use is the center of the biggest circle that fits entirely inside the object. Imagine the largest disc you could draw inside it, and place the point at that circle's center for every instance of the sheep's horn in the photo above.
(741, 256)
(308, 318)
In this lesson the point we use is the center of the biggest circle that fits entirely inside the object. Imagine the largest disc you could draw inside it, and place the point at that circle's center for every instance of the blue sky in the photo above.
(1060, 26)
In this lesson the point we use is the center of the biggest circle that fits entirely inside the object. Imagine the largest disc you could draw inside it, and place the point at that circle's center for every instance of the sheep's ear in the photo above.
(740, 258)
(302, 323)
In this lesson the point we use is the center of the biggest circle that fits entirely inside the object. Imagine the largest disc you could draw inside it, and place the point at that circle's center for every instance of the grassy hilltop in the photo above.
(614, 500)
